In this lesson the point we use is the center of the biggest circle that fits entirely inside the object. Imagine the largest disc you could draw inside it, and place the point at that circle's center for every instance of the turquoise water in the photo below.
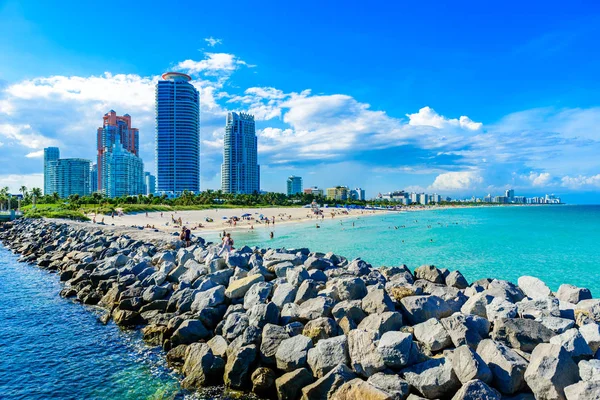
(558, 244)
(53, 348)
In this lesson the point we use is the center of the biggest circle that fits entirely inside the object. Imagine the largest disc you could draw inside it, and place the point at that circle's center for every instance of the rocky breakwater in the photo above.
(292, 324)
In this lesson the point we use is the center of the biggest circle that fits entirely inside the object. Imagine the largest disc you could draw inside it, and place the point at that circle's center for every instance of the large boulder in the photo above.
(506, 290)
(419, 309)
(234, 325)
(573, 343)
(307, 290)
(589, 370)
(476, 390)
(209, 298)
(500, 308)
(258, 293)
(189, 331)
(237, 289)
(284, 293)
(508, 367)
(289, 386)
(349, 308)
(457, 280)
(573, 294)
(320, 328)
(468, 365)
(200, 367)
(430, 273)
(584, 390)
(314, 308)
(263, 380)
(591, 334)
(432, 379)
(522, 334)
(550, 370)
(272, 336)
(381, 323)
(533, 287)
(432, 335)
(397, 387)
(364, 357)
(293, 352)
(538, 308)
(239, 367)
(556, 324)
(351, 288)
(377, 302)
(325, 387)
(394, 348)
(327, 354)
(477, 304)
(466, 329)
(359, 389)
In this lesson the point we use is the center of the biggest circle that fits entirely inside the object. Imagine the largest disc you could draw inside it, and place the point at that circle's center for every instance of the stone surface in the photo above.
(238, 368)
(476, 390)
(574, 343)
(500, 308)
(533, 287)
(477, 304)
(284, 293)
(350, 288)
(432, 335)
(320, 328)
(457, 280)
(589, 370)
(359, 389)
(327, 354)
(591, 334)
(292, 353)
(466, 329)
(468, 365)
(572, 294)
(377, 302)
(364, 357)
(263, 379)
(550, 370)
(430, 273)
(189, 331)
(397, 387)
(325, 387)
(381, 323)
(522, 334)
(585, 390)
(238, 288)
(394, 347)
(289, 386)
(508, 367)
(198, 365)
(432, 379)
(419, 309)
(315, 308)
(556, 324)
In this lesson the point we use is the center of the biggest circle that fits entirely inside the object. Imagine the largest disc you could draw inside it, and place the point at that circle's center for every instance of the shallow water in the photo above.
(558, 244)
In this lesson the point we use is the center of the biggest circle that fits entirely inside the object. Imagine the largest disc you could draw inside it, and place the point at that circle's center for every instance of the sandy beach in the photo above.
(221, 219)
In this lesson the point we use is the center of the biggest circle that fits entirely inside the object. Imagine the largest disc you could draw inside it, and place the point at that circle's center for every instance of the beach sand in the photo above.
(221, 218)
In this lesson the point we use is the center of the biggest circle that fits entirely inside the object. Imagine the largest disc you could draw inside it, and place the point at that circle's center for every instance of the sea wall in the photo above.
(291, 323)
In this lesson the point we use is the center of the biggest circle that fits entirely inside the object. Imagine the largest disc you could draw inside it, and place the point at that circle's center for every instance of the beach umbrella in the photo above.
(246, 215)
(224, 217)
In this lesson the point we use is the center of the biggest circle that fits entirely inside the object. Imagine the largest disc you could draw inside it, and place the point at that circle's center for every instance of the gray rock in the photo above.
(315, 263)
(381, 323)
(377, 302)
(589, 370)
(315, 308)
(574, 343)
(209, 298)
(359, 389)
(262, 314)
(394, 347)
(199, 367)
(307, 290)
(457, 280)
(432, 379)
(500, 308)
(235, 324)
(591, 334)
(508, 367)
(272, 336)
(573, 294)
(506, 290)
(327, 354)
(289, 386)
(468, 365)
(477, 304)
(284, 293)
(556, 324)
(295, 276)
(550, 371)
(320, 328)
(189, 331)
(534, 287)
(351, 288)
(591, 308)
(432, 335)
(153, 293)
(237, 289)
(466, 329)
(397, 387)
(325, 387)
(533, 309)
(358, 267)
(364, 357)
(522, 334)
(258, 293)
(585, 390)
(290, 313)
(292, 353)
(238, 368)
(218, 345)
(476, 390)
(263, 380)
(430, 273)
(351, 309)
(419, 309)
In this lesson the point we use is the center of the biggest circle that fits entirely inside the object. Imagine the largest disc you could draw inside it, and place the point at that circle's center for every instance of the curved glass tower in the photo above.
(177, 135)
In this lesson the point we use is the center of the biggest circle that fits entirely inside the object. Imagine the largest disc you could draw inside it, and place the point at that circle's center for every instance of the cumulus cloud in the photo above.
(25, 136)
(457, 181)
(581, 182)
(539, 179)
(428, 117)
(212, 64)
(212, 42)
(35, 154)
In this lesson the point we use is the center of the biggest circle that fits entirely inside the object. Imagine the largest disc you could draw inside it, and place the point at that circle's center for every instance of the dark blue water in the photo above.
(53, 348)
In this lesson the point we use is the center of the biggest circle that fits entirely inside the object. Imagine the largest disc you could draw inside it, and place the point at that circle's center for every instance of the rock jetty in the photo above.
(291, 323)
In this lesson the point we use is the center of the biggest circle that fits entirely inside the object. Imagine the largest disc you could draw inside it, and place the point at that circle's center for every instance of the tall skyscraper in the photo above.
(510, 193)
(294, 185)
(94, 178)
(50, 154)
(149, 183)
(67, 176)
(240, 172)
(119, 169)
(177, 134)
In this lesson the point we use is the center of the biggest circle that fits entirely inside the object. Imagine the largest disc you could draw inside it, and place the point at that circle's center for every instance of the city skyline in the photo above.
(457, 130)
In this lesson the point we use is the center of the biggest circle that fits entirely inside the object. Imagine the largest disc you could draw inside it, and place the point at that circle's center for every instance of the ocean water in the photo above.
(558, 244)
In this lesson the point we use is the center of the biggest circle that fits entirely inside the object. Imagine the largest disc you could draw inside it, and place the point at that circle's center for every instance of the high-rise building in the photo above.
(423, 198)
(94, 178)
(177, 134)
(294, 185)
(119, 168)
(66, 176)
(510, 194)
(149, 183)
(338, 193)
(240, 172)
(315, 191)
(123, 172)
(50, 154)
(357, 194)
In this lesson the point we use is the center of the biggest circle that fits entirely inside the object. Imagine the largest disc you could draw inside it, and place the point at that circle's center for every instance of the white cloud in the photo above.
(212, 42)
(539, 179)
(428, 117)
(15, 181)
(35, 154)
(581, 182)
(25, 136)
(456, 181)
(213, 64)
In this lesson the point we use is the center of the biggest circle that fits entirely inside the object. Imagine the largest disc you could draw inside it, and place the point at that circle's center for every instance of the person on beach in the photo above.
(227, 244)
(186, 236)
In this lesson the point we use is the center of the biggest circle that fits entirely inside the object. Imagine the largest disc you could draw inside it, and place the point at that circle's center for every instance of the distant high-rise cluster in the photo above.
(240, 172)
(120, 170)
(177, 135)
(344, 193)
(65, 176)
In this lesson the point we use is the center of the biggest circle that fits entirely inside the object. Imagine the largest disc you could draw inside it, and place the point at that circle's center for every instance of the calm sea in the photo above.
(53, 348)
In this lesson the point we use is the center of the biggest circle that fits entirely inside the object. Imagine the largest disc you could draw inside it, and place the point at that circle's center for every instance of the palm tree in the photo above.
(23, 190)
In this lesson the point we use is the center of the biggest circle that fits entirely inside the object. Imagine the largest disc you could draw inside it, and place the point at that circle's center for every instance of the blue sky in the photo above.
(463, 99)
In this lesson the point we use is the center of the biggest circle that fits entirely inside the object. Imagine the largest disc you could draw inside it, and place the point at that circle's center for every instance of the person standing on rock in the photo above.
(186, 236)
(227, 244)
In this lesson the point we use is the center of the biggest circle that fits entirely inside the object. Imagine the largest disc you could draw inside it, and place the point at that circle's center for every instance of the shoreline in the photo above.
(293, 323)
